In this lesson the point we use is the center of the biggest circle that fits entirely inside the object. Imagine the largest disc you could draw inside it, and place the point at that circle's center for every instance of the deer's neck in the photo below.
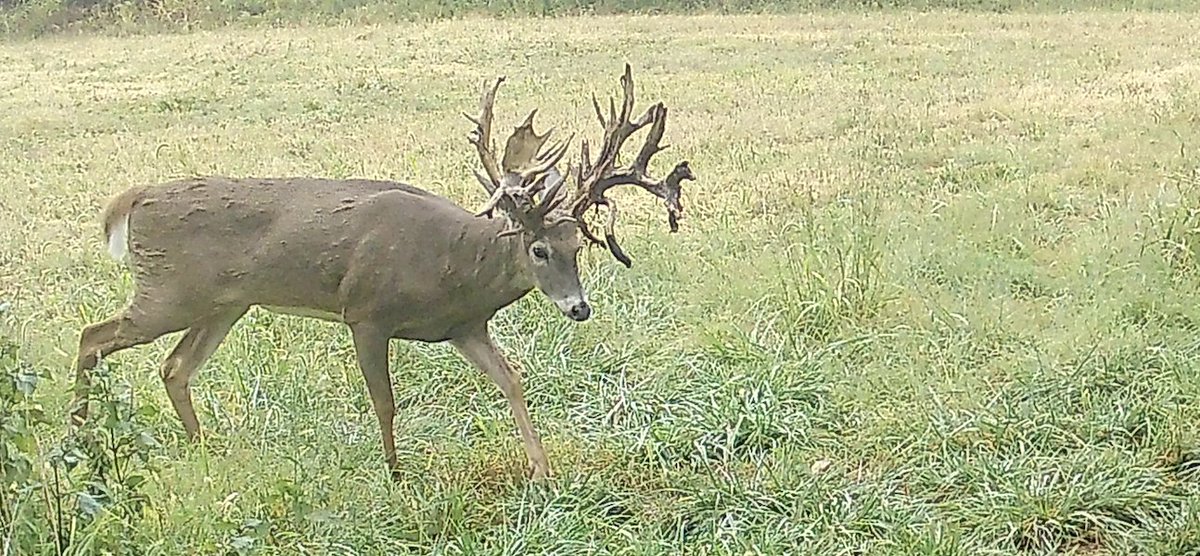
(500, 275)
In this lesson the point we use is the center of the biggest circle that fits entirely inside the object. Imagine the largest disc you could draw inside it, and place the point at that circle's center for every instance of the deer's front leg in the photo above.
(371, 346)
(479, 349)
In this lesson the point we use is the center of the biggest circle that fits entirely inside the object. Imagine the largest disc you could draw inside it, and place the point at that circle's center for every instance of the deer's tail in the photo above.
(116, 221)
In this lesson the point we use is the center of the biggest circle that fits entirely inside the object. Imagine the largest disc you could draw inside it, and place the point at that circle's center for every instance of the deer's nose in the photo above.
(580, 311)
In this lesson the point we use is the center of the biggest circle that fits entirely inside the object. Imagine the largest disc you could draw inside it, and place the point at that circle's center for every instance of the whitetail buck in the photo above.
(387, 259)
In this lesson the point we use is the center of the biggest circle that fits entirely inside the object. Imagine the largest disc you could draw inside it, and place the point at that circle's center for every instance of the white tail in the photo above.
(118, 239)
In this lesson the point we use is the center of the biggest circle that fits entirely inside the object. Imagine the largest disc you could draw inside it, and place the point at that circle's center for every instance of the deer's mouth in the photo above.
(580, 311)
(574, 308)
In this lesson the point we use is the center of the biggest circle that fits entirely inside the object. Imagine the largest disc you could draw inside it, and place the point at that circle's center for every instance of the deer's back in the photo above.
(286, 243)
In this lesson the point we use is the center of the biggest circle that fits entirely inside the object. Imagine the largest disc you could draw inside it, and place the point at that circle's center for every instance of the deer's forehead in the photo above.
(565, 233)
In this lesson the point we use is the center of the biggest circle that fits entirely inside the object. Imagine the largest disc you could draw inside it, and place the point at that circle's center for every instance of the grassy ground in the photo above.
(936, 292)
(119, 17)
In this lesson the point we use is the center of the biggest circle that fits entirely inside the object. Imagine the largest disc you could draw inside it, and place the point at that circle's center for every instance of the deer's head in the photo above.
(527, 188)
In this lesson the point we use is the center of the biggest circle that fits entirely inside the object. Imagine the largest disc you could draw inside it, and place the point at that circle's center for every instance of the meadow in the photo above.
(935, 292)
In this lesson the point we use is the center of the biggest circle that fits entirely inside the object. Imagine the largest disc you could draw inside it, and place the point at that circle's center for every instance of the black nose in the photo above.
(581, 311)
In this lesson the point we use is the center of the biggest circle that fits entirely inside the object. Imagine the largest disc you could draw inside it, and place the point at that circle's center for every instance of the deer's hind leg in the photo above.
(99, 341)
(143, 321)
(192, 351)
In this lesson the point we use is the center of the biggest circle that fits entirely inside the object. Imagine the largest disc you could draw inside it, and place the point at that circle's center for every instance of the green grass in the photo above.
(936, 291)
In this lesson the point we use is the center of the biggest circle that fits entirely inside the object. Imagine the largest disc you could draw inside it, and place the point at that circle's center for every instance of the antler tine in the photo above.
(549, 196)
(651, 147)
(481, 137)
(610, 236)
(548, 159)
(599, 114)
(560, 219)
(483, 180)
(618, 128)
(668, 189)
(509, 231)
(585, 156)
(529, 119)
(627, 87)
(637, 173)
(492, 202)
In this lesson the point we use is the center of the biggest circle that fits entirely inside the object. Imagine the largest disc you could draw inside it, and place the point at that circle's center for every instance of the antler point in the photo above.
(529, 119)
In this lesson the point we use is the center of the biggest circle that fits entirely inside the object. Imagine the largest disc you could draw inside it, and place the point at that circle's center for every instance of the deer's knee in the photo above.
(509, 383)
(172, 374)
(92, 340)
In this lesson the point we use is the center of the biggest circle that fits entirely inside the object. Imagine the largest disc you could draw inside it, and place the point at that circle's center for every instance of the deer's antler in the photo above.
(522, 172)
(597, 178)
(481, 137)
(527, 169)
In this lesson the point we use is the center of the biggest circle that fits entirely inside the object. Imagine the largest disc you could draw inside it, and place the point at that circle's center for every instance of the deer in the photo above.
(387, 259)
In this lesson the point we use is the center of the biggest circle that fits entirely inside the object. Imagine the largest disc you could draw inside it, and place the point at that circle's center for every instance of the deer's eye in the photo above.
(540, 252)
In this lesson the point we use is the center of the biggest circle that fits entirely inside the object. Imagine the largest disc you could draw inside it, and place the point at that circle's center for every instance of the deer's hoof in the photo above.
(79, 416)
(541, 471)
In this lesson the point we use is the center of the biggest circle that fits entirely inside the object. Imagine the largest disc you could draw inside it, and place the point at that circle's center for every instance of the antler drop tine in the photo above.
(587, 232)
(610, 236)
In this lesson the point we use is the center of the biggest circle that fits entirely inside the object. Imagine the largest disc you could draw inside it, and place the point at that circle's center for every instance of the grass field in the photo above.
(935, 291)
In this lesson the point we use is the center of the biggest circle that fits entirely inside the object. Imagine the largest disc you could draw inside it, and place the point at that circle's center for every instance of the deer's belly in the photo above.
(422, 330)
(304, 312)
